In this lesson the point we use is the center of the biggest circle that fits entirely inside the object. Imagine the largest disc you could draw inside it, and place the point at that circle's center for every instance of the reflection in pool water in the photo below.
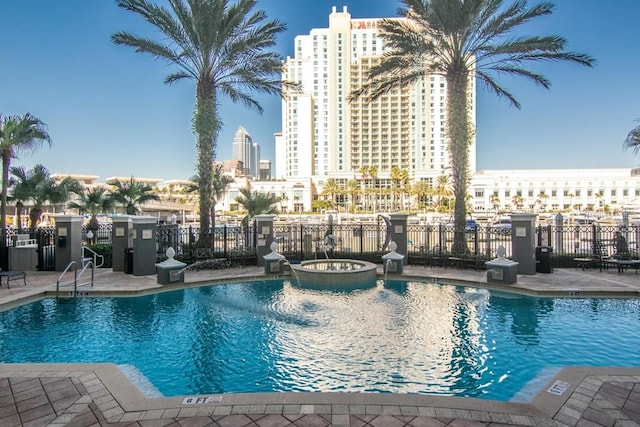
(403, 336)
(334, 265)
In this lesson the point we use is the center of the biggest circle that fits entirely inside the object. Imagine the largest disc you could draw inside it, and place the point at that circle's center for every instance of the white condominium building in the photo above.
(324, 134)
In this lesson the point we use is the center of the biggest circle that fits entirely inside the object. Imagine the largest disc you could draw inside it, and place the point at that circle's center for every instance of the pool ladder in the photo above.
(87, 262)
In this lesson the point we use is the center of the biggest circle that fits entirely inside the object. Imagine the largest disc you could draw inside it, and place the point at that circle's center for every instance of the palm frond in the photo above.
(632, 140)
(493, 86)
(174, 77)
(521, 72)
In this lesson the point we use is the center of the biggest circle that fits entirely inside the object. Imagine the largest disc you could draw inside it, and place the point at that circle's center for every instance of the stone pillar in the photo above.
(523, 242)
(68, 241)
(558, 222)
(144, 245)
(399, 233)
(624, 225)
(264, 231)
(121, 239)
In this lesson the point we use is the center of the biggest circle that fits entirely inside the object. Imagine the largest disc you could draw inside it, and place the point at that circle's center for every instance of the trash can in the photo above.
(543, 259)
(128, 260)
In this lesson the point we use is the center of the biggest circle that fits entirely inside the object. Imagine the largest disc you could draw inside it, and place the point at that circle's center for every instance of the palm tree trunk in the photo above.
(34, 216)
(213, 216)
(206, 126)
(6, 162)
(459, 140)
(19, 207)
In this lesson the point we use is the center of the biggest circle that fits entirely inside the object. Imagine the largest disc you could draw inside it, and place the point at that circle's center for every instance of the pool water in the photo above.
(401, 336)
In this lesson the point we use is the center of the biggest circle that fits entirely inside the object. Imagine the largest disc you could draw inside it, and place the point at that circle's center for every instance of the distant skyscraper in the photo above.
(246, 151)
(322, 133)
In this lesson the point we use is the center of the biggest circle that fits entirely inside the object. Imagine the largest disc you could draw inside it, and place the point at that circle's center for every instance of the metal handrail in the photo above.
(75, 279)
(79, 275)
(95, 256)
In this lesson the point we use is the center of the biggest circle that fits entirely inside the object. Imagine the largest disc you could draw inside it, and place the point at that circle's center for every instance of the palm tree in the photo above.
(364, 171)
(461, 40)
(94, 201)
(544, 197)
(38, 186)
(16, 134)
(331, 188)
(422, 190)
(494, 199)
(283, 202)
(133, 194)
(599, 201)
(518, 201)
(256, 204)
(633, 139)
(373, 174)
(405, 188)
(442, 190)
(220, 183)
(352, 188)
(223, 48)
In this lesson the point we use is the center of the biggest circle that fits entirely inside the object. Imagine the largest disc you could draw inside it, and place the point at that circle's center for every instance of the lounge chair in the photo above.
(597, 259)
(13, 275)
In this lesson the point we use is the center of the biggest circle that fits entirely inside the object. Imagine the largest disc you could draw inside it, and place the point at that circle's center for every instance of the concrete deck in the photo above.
(99, 394)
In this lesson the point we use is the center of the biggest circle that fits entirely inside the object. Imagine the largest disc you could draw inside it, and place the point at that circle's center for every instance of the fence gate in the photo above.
(46, 249)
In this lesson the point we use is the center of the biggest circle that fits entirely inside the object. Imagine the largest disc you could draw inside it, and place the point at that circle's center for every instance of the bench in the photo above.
(599, 257)
(584, 263)
(13, 275)
(621, 264)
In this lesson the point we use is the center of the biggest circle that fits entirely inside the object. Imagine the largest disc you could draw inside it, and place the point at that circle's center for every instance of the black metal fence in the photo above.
(45, 240)
(234, 243)
(308, 241)
(566, 242)
(367, 241)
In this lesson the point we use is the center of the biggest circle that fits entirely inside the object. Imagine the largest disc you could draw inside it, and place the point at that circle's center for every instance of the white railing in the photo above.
(93, 256)
(77, 276)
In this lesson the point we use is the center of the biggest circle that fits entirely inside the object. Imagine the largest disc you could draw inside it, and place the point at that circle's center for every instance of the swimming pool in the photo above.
(401, 336)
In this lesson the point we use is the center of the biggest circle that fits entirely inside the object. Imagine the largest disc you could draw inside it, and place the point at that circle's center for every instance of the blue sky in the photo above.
(109, 112)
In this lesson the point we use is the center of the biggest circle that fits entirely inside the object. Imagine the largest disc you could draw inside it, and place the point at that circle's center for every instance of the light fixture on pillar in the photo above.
(89, 235)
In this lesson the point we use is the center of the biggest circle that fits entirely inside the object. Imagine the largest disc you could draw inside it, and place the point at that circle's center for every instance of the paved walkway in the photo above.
(100, 395)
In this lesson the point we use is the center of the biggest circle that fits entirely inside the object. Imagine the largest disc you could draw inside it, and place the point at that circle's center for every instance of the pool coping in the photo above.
(120, 400)
(520, 288)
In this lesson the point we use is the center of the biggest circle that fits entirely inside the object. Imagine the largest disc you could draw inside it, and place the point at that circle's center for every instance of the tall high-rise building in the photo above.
(323, 133)
(246, 151)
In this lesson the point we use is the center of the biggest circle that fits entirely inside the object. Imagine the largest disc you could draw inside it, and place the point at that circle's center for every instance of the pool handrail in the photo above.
(76, 276)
